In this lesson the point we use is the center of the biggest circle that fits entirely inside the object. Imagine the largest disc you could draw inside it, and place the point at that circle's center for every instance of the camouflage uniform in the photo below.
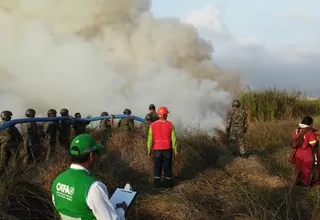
(126, 124)
(10, 139)
(30, 130)
(105, 129)
(146, 125)
(51, 132)
(64, 130)
(236, 127)
(153, 113)
(80, 126)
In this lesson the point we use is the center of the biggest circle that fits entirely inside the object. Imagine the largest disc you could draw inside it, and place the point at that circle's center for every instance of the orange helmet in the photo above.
(163, 111)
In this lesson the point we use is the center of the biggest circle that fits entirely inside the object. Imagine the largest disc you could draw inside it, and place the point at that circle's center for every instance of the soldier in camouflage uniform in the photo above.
(64, 129)
(51, 134)
(10, 139)
(80, 126)
(30, 132)
(153, 113)
(236, 127)
(126, 124)
(146, 125)
(105, 128)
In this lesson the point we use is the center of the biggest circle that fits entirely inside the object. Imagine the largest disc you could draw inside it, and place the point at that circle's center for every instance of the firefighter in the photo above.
(105, 128)
(80, 126)
(65, 129)
(10, 139)
(236, 127)
(126, 124)
(163, 142)
(51, 131)
(32, 141)
(144, 127)
(152, 112)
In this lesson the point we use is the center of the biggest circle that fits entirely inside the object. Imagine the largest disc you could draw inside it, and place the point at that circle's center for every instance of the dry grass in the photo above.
(210, 183)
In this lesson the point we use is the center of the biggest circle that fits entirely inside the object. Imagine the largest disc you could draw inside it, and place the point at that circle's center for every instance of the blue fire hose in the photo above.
(47, 119)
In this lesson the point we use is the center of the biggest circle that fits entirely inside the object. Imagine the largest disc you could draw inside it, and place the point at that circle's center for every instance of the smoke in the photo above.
(106, 55)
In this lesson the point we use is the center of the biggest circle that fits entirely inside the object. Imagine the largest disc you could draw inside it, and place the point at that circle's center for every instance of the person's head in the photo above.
(148, 118)
(6, 115)
(77, 115)
(64, 112)
(236, 103)
(127, 111)
(104, 114)
(163, 113)
(152, 108)
(307, 121)
(84, 150)
(30, 113)
(52, 113)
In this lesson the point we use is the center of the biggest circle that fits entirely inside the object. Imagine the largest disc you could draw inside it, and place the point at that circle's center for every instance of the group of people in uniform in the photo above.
(37, 141)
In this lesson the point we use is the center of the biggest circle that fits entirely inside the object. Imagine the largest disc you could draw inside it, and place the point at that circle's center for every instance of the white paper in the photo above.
(122, 195)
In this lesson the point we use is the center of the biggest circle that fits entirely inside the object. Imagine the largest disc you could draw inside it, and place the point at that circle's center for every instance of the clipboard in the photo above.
(123, 195)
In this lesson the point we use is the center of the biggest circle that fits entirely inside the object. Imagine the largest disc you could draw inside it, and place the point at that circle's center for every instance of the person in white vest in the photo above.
(76, 194)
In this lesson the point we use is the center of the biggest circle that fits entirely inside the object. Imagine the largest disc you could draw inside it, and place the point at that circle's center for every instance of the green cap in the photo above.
(86, 144)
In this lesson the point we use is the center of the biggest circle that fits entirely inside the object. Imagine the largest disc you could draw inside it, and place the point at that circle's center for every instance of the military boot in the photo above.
(157, 182)
(167, 183)
(244, 156)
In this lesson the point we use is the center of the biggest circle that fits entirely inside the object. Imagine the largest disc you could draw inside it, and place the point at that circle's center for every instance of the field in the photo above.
(211, 184)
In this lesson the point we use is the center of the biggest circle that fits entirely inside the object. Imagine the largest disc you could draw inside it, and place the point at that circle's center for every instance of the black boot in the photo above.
(244, 156)
(167, 183)
(157, 183)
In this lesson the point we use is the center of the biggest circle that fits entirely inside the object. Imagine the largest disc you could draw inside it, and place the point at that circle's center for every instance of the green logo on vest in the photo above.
(65, 191)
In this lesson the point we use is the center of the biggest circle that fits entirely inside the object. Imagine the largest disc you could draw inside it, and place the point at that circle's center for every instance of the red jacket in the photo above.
(310, 139)
(305, 151)
(162, 131)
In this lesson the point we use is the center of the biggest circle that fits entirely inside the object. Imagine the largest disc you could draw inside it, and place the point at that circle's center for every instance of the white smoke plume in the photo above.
(107, 55)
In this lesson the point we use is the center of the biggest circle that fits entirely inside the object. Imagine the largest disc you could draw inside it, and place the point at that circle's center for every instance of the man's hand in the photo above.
(132, 117)
(122, 205)
(175, 154)
(89, 116)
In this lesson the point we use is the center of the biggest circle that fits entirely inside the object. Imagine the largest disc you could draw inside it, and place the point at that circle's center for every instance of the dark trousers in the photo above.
(163, 159)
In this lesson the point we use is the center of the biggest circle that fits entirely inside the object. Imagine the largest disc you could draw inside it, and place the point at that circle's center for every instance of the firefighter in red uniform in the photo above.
(163, 142)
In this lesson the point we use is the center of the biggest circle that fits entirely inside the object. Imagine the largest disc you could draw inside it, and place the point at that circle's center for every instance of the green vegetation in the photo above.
(272, 104)
(211, 184)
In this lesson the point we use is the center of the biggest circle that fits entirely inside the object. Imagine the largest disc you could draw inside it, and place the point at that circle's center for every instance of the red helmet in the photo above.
(163, 111)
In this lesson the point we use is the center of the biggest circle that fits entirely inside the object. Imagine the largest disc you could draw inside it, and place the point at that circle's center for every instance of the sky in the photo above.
(270, 43)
